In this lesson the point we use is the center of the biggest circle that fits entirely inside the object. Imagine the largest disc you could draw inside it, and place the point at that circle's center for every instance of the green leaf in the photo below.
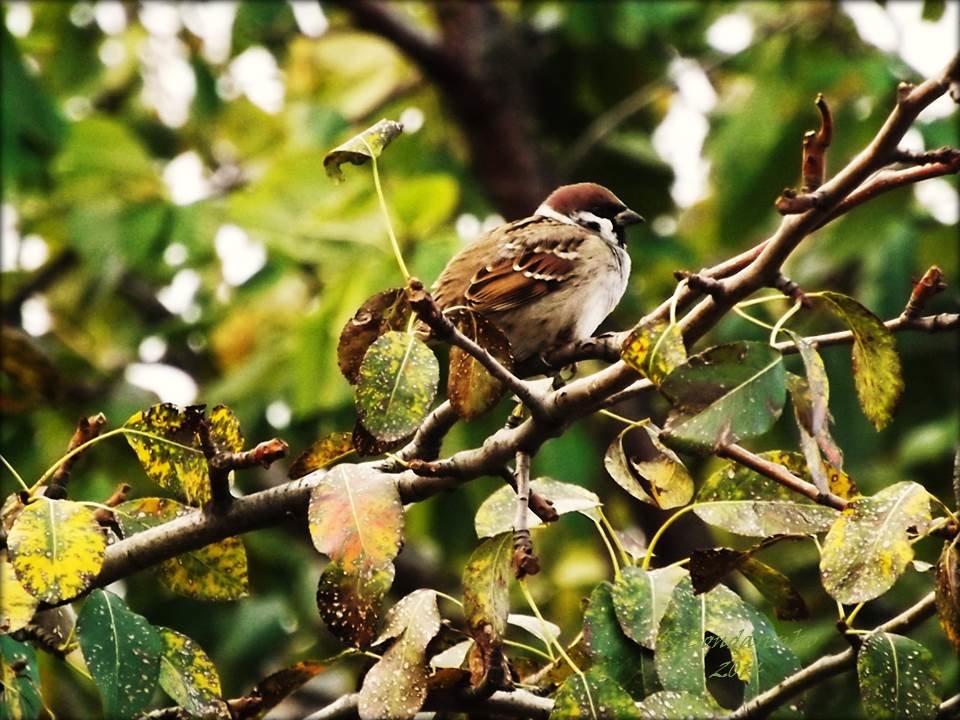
(17, 606)
(747, 503)
(56, 548)
(180, 467)
(933, 9)
(385, 311)
(948, 593)
(654, 350)
(899, 678)
(640, 598)
(324, 452)
(868, 547)
(470, 388)
(815, 413)
(397, 685)
(397, 382)
(594, 696)
(611, 651)
(217, 571)
(673, 704)
(876, 365)
(189, 677)
(486, 596)
(122, 651)
(360, 148)
(20, 679)
(655, 475)
(723, 395)
(355, 518)
(496, 514)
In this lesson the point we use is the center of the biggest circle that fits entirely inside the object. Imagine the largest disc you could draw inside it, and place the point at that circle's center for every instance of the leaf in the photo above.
(948, 593)
(470, 388)
(747, 503)
(612, 652)
(723, 395)
(899, 678)
(274, 688)
(654, 350)
(594, 696)
(121, 650)
(486, 598)
(385, 311)
(189, 677)
(453, 657)
(357, 152)
(496, 514)
(656, 476)
(17, 606)
(709, 566)
(349, 601)
(673, 704)
(355, 518)
(544, 630)
(325, 451)
(367, 445)
(640, 598)
(56, 548)
(217, 571)
(815, 413)
(868, 547)
(180, 468)
(397, 685)
(20, 680)
(225, 430)
(397, 382)
(876, 365)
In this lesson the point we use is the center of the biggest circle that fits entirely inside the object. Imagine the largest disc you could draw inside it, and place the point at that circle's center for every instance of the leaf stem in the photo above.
(848, 620)
(610, 551)
(386, 213)
(663, 528)
(624, 420)
(782, 321)
(450, 598)
(751, 318)
(531, 649)
(624, 555)
(545, 629)
(673, 300)
(15, 473)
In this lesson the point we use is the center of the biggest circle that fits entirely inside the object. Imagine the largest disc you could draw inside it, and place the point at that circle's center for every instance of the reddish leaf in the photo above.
(387, 310)
(470, 388)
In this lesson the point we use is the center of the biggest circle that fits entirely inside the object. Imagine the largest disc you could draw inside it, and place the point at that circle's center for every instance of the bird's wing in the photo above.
(525, 268)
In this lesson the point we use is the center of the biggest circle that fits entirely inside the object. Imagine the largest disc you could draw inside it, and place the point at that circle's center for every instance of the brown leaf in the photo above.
(367, 445)
(470, 388)
(948, 593)
(385, 311)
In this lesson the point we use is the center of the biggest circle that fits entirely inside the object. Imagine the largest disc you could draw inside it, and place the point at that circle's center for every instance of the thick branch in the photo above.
(515, 703)
(826, 667)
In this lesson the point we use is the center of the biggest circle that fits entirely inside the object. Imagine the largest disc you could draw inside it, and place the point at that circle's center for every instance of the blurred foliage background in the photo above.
(168, 232)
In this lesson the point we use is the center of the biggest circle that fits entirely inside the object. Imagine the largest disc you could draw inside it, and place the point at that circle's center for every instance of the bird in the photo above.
(548, 279)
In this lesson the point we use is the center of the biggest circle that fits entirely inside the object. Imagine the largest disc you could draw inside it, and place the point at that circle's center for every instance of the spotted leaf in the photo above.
(214, 572)
(654, 350)
(225, 430)
(899, 678)
(593, 695)
(189, 677)
(651, 473)
(495, 515)
(611, 651)
(470, 388)
(948, 593)
(20, 680)
(868, 547)
(56, 548)
(747, 503)
(171, 457)
(397, 382)
(122, 651)
(349, 601)
(486, 598)
(17, 606)
(397, 685)
(877, 374)
(723, 395)
(385, 311)
(361, 148)
(324, 452)
(674, 704)
(640, 598)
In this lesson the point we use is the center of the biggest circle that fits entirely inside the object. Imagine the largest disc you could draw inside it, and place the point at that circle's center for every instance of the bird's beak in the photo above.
(628, 217)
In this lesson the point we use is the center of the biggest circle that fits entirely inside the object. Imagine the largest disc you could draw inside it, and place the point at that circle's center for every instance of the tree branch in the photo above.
(826, 667)
(514, 703)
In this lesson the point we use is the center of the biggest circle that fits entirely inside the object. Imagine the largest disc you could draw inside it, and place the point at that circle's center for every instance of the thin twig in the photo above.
(87, 429)
(929, 285)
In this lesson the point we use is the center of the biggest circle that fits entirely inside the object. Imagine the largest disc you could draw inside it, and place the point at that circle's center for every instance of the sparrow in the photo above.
(549, 279)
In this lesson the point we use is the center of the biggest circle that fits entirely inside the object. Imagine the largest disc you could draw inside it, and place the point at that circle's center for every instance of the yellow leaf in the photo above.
(56, 548)
(17, 606)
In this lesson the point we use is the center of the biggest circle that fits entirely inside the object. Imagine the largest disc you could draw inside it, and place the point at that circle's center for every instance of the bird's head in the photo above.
(593, 207)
